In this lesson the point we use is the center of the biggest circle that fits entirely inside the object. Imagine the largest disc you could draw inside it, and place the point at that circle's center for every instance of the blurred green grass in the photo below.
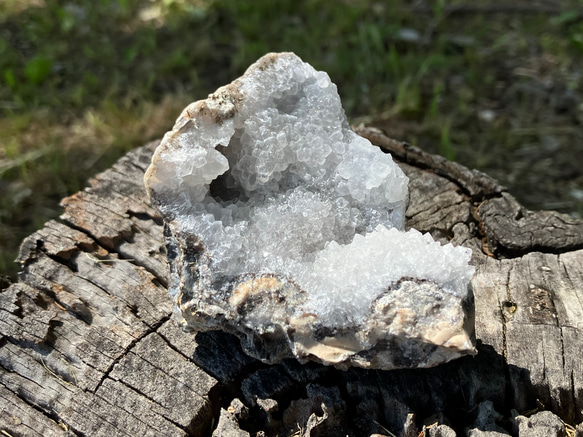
(493, 85)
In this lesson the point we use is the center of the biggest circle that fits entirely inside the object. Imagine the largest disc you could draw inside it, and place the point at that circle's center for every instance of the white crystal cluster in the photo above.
(346, 278)
(269, 177)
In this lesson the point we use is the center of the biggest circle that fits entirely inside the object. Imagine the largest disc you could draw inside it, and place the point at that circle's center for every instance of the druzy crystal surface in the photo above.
(285, 228)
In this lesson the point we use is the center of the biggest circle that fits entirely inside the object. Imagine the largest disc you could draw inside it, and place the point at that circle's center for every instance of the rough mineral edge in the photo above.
(284, 228)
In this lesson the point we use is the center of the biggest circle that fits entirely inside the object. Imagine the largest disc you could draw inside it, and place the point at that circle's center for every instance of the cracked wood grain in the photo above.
(88, 346)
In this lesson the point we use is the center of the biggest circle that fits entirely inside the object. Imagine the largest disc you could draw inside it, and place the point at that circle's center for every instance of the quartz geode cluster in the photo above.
(285, 228)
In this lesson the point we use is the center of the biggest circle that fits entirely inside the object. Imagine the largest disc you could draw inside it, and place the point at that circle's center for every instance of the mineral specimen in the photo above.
(285, 228)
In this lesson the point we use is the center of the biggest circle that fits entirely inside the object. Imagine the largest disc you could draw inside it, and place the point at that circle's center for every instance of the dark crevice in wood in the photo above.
(115, 250)
(85, 309)
(189, 358)
(504, 309)
(159, 279)
(542, 324)
(133, 344)
(544, 375)
(229, 391)
(107, 241)
(504, 253)
(78, 313)
(445, 232)
(205, 396)
(83, 230)
(380, 399)
(27, 254)
(136, 165)
(50, 337)
(220, 395)
(18, 311)
(563, 361)
(579, 414)
(3, 341)
(5, 282)
(32, 255)
(147, 217)
(352, 413)
(296, 391)
(159, 282)
(565, 270)
(65, 262)
(480, 227)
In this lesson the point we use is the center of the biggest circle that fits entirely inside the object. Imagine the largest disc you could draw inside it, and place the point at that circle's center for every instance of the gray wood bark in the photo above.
(88, 346)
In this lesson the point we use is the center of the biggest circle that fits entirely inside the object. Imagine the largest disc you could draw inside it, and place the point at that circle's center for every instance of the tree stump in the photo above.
(88, 346)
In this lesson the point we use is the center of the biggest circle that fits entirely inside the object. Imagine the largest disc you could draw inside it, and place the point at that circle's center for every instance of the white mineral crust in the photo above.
(285, 228)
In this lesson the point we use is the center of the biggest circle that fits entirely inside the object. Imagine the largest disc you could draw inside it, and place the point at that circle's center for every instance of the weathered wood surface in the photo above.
(88, 346)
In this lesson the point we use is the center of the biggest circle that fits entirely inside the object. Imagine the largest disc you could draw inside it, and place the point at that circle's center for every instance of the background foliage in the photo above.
(495, 85)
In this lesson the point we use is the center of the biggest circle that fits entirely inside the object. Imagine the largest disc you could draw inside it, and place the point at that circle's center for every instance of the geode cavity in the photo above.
(285, 228)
